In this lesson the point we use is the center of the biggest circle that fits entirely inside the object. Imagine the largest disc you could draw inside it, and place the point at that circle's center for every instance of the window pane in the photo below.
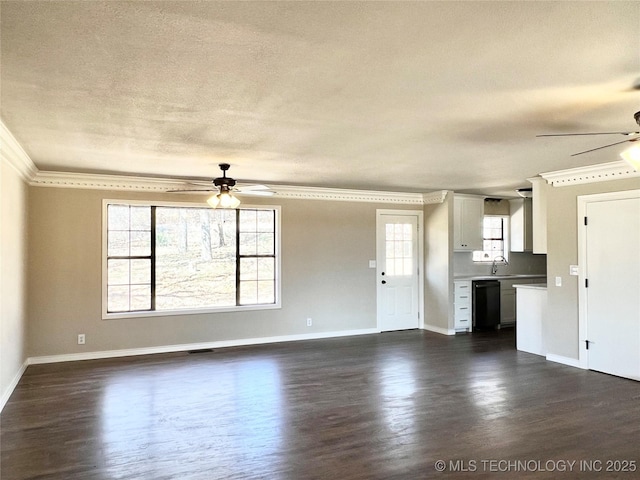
(389, 231)
(118, 272)
(118, 217)
(140, 218)
(195, 258)
(248, 244)
(266, 292)
(248, 269)
(265, 244)
(248, 293)
(266, 221)
(141, 271)
(389, 250)
(407, 231)
(118, 243)
(266, 270)
(248, 220)
(140, 243)
(140, 297)
(118, 298)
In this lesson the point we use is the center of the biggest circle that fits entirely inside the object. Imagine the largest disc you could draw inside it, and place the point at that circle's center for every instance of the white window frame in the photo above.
(506, 241)
(187, 311)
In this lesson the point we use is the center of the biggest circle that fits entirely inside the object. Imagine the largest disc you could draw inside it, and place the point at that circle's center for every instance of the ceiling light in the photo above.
(632, 156)
(224, 199)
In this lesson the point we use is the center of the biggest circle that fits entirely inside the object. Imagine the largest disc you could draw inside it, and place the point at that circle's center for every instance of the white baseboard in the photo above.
(14, 382)
(440, 330)
(572, 362)
(72, 357)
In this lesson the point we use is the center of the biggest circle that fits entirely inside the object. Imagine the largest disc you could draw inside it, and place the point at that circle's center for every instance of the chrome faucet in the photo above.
(494, 264)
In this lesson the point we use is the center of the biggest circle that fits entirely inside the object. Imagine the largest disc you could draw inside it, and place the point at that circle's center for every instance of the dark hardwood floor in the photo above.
(384, 406)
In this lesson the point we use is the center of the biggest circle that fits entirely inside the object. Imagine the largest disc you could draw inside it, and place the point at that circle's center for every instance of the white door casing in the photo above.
(399, 259)
(610, 262)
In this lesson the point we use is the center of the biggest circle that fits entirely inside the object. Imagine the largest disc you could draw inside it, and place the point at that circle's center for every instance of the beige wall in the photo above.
(326, 247)
(438, 283)
(561, 323)
(13, 296)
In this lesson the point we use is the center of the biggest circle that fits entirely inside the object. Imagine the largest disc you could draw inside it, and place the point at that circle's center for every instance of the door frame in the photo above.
(380, 213)
(583, 202)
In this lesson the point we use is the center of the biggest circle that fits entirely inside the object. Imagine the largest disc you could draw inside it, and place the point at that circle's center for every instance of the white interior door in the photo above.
(613, 291)
(397, 272)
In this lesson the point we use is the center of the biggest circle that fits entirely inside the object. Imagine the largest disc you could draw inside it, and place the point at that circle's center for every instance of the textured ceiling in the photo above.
(388, 96)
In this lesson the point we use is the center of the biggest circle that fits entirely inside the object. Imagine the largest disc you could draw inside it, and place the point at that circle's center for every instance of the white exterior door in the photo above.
(398, 271)
(612, 270)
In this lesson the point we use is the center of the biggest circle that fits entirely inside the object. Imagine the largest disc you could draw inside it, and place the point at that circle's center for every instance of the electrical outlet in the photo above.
(81, 339)
(558, 281)
(309, 322)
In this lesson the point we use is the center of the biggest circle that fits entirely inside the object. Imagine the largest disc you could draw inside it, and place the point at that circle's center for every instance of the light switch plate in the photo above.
(372, 264)
(573, 270)
(558, 281)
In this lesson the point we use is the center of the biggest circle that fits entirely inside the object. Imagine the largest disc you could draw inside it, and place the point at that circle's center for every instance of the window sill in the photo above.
(190, 311)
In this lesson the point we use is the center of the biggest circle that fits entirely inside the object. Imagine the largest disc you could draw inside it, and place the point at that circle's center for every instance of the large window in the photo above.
(162, 259)
(495, 241)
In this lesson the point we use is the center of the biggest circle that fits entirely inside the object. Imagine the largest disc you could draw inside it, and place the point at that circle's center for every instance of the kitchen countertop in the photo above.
(499, 277)
(534, 286)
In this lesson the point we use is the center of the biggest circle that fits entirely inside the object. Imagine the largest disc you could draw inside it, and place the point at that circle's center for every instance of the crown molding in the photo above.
(12, 152)
(107, 182)
(602, 172)
(434, 197)
(161, 185)
(345, 195)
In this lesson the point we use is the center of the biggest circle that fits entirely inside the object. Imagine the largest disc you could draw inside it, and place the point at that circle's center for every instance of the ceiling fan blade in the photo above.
(592, 133)
(605, 146)
(251, 186)
(192, 190)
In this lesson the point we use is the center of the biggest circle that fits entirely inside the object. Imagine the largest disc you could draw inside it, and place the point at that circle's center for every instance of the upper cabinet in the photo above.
(539, 214)
(467, 223)
(520, 210)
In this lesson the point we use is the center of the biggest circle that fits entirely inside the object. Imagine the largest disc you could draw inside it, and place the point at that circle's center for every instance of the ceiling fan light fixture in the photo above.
(224, 199)
(632, 156)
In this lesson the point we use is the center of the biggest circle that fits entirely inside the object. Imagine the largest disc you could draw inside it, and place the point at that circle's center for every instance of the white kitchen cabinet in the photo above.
(462, 305)
(532, 307)
(539, 214)
(508, 298)
(468, 211)
(521, 225)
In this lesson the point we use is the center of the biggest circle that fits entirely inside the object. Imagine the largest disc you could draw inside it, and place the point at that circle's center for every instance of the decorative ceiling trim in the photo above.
(106, 182)
(161, 185)
(434, 197)
(12, 152)
(344, 195)
(602, 172)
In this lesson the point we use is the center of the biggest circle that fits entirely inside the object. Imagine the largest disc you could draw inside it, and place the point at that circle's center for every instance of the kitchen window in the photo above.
(495, 241)
(167, 259)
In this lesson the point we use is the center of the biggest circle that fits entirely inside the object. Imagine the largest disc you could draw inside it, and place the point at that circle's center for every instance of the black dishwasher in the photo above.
(486, 304)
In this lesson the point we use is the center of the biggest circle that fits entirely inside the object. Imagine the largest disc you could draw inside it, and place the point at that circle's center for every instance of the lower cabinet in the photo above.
(508, 298)
(462, 305)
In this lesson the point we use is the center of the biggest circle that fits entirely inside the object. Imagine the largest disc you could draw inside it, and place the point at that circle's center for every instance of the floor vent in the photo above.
(202, 350)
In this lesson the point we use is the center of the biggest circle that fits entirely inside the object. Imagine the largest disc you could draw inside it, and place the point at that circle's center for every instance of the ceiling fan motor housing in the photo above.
(224, 180)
